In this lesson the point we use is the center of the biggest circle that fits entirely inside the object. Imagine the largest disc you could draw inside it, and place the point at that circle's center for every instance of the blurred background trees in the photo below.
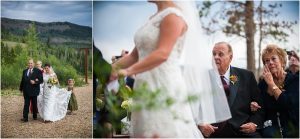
(246, 19)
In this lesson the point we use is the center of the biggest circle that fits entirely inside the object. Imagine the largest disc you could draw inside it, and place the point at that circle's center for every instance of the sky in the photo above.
(78, 12)
(115, 24)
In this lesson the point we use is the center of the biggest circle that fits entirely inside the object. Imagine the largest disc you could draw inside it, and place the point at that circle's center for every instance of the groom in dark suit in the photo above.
(30, 87)
(241, 88)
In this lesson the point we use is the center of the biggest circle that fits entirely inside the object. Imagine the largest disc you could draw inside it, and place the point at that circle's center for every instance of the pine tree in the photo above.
(32, 41)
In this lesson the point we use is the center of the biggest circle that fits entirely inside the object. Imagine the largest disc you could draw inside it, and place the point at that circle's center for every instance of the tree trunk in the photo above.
(250, 32)
(260, 38)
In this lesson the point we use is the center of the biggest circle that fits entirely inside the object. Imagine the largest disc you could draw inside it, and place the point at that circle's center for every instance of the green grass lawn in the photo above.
(11, 92)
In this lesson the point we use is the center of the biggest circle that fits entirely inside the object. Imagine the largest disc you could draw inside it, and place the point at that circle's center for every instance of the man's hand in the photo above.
(207, 129)
(254, 106)
(248, 127)
(32, 81)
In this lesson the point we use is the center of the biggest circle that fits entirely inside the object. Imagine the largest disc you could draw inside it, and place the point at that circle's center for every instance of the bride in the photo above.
(53, 101)
(168, 56)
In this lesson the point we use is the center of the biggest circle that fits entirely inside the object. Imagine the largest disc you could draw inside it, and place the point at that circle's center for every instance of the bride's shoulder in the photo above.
(171, 11)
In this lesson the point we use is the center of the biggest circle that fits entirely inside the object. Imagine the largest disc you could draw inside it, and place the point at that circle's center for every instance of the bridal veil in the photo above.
(200, 72)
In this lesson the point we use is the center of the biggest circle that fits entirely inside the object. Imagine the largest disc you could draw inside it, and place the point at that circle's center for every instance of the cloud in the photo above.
(78, 12)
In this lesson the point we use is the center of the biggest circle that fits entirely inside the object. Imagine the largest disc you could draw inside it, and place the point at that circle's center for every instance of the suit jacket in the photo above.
(26, 87)
(242, 93)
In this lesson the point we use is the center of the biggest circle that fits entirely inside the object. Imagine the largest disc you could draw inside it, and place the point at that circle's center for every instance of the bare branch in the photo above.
(237, 2)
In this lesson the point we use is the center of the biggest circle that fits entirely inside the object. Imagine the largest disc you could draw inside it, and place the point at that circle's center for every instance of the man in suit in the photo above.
(30, 87)
(241, 88)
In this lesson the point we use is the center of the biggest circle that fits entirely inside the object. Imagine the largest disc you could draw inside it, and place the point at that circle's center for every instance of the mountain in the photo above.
(53, 33)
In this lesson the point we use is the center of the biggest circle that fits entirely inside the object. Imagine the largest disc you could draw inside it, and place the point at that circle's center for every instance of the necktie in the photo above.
(29, 72)
(225, 86)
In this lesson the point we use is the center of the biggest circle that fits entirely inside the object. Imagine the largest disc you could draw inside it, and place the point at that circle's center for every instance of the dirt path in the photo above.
(74, 126)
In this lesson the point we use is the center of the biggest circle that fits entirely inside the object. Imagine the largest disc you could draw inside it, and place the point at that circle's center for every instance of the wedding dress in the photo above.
(53, 102)
(168, 78)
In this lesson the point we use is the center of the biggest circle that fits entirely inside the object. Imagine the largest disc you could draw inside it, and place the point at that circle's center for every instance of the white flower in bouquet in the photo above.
(126, 104)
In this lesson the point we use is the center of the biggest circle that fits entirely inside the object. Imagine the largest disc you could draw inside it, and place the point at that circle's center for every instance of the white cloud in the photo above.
(49, 11)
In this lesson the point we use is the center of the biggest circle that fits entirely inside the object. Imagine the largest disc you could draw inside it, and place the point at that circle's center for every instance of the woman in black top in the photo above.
(280, 91)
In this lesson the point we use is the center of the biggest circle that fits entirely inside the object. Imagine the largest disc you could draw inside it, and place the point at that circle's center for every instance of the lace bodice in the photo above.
(167, 78)
(146, 38)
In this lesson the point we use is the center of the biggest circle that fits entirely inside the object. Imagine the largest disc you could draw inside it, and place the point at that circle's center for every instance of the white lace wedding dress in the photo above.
(168, 78)
(53, 101)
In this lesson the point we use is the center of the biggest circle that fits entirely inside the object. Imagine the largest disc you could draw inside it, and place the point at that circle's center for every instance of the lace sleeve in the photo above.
(165, 13)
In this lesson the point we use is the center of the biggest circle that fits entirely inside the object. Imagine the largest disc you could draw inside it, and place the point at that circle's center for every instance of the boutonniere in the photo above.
(233, 79)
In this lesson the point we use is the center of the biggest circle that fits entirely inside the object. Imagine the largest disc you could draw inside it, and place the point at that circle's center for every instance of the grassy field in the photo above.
(13, 44)
(10, 92)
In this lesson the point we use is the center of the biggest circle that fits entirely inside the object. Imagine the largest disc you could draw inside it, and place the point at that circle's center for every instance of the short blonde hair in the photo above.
(39, 62)
(274, 49)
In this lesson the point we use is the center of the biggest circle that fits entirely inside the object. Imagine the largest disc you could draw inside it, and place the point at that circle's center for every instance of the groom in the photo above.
(241, 88)
(30, 87)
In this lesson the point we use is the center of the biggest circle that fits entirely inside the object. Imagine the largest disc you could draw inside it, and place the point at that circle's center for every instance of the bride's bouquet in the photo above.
(52, 81)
